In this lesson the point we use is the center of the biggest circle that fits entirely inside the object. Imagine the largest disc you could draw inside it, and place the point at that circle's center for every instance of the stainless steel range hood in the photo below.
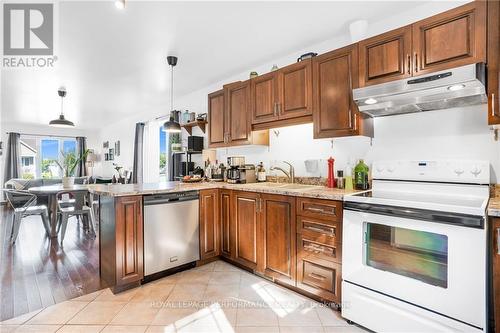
(461, 86)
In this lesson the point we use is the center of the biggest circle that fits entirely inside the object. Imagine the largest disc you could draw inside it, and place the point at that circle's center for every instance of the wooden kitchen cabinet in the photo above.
(237, 112)
(247, 224)
(386, 57)
(216, 120)
(227, 231)
(283, 97)
(121, 241)
(493, 62)
(229, 118)
(278, 231)
(319, 248)
(495, 257)
(264, 98)
(335, 75)
(209, 224)
(451, 39)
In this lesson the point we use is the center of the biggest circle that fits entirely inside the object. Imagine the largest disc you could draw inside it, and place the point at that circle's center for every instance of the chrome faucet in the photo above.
(290, 173)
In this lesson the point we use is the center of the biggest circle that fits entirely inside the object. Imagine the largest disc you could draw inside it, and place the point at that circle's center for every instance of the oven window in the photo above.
(416, 254)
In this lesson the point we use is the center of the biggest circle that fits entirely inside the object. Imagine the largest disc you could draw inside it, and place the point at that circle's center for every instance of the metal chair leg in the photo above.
(92, 222)
(64, 224)
(45, 221)
(16, 226)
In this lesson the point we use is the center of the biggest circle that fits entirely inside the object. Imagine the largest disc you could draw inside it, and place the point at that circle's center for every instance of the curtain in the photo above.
(151, 156)
(12, 158)
(81, 147)
(137, 171)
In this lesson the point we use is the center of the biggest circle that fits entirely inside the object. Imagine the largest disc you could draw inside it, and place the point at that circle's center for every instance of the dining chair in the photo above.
(79, 208)
(24, 204)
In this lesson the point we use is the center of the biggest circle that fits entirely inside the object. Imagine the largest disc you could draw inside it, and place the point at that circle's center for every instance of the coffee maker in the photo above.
(238, 172)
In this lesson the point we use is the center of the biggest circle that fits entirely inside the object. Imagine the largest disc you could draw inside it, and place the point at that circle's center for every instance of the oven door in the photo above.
(437, 266)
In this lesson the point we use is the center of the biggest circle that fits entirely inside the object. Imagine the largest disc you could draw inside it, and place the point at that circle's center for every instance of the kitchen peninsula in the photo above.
(237, 222)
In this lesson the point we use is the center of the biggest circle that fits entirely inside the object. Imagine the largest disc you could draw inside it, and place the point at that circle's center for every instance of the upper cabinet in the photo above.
(282, 97)
(335, 113)
(450, 39)
(385, 57)
(237, 106)
(493, 61)
(216, 119)
(229, 118)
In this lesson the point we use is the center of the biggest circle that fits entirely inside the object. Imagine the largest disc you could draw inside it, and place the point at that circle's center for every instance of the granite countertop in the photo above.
(308, 191)
(494, 204)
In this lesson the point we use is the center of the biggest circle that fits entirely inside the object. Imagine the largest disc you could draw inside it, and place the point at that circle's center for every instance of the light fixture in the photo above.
(370, 101)
(172, 126)
(61, 121)
(456, 87)
(120, 4)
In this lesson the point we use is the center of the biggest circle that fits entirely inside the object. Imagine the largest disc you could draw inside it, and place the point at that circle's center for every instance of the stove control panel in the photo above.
(449, 171)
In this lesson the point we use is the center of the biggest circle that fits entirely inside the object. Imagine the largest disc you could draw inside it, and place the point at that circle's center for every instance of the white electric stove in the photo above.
(415, 248)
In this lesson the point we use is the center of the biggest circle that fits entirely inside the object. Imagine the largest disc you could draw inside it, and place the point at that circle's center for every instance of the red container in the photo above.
(331, 178)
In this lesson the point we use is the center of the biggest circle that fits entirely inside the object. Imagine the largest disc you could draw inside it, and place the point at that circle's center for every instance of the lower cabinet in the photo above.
(247, 225)
(129, 240)
(209, 224)
(278, 254)
(227, 231)
(121, 241)
(296, 241)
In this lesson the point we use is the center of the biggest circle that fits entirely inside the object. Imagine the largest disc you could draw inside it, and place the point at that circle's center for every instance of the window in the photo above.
(39, 156)
(416, 254)
(163, 155)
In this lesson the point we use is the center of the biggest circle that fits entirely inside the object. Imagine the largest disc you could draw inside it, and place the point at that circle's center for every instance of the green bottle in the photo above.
(361, 176)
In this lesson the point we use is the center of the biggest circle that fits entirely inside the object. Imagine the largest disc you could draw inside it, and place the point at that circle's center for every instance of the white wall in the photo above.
(457, 133)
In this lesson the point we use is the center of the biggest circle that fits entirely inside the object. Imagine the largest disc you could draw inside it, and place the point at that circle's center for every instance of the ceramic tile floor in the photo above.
(217, 297)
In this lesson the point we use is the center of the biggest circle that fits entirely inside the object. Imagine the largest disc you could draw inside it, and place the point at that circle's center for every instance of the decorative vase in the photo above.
(68, 181)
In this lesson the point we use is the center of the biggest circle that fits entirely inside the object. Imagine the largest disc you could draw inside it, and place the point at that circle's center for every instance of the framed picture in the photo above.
(105, 145)
(117, 148)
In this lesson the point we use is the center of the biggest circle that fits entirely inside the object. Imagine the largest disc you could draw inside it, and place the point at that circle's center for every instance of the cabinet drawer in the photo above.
(321, 230)
(310, 249)
(320, 279)
(322, 209)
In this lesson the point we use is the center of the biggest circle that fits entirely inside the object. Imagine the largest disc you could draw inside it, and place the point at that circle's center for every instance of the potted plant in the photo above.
(69, 163)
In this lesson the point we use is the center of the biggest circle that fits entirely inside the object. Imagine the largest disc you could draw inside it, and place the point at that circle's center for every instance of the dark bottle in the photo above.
(361, 176)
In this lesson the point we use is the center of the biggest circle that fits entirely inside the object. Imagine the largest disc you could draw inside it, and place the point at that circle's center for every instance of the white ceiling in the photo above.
(113, 63)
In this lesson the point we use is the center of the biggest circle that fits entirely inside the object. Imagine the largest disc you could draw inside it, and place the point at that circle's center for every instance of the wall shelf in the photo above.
(189, 126)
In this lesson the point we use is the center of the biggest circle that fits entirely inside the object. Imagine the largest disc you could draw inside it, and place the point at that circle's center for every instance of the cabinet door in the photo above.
(226, 222)
(246, 218)
(495, 255)
(450, 39)
(209, 224)
(264, 98)
(129, 240)
(493, 76)
(237, 106)
(295, 90)
(278, 257)
(320, 277)
(335, 75)
(216, 119)
(386, 57)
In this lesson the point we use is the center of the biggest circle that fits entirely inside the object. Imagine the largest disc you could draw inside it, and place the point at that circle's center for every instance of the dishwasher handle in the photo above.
(158, 199)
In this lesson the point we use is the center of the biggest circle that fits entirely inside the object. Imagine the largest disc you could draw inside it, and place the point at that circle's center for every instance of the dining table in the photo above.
(51, 191)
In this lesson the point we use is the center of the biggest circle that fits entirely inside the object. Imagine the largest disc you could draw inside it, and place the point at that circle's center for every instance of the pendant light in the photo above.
(61, 121)
(171, 126)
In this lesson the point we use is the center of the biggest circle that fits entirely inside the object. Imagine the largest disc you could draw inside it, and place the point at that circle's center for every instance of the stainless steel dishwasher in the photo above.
(171, 238)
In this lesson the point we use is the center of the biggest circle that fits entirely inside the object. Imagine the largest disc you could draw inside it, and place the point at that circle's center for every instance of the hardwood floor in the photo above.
(38, 272)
